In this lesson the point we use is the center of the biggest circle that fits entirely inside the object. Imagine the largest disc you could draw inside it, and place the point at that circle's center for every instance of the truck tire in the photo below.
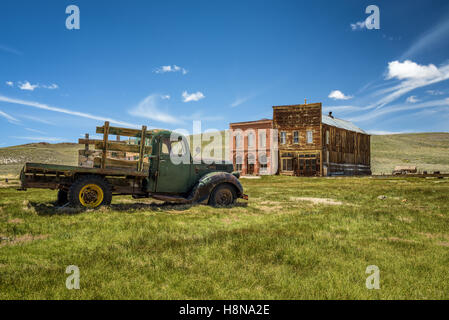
(223, 195)
(63, 197)
(90, 192)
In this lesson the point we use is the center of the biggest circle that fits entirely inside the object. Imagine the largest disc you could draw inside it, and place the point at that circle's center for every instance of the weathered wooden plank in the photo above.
(142, 148)
(41, 168)
(117, 163)
(105, 144)
(117, 146)
(127, 132)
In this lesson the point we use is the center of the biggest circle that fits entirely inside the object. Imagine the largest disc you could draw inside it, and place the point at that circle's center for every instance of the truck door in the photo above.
(173, 177)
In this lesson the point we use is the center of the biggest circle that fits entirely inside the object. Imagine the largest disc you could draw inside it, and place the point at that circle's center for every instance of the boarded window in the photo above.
(283, 137)
(296, 137)
(327, 136)
(309, 137)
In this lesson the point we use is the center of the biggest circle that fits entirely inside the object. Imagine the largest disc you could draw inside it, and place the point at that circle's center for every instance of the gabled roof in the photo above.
(343, 124)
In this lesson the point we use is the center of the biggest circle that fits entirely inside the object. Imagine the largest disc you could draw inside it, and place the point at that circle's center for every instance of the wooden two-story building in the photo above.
(313, 144)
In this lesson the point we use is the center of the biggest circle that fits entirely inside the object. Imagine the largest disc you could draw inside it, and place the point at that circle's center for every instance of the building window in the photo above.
(309, 137)
(327, 136)
(262, 139)
(238, 141)
(287, 164)
(263, 161)
(296, 137)
(250, 140)
(283, 137)
(238, 163)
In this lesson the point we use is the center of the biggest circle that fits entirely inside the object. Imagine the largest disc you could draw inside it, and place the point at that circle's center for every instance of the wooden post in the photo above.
(142, 148)
(86, 146)
(105, 144)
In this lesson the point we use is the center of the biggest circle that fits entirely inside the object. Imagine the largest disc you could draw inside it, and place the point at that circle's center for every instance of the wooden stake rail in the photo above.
(106, 145)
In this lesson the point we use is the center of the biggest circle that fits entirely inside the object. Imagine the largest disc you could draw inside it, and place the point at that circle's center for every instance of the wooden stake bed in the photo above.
(43, 168)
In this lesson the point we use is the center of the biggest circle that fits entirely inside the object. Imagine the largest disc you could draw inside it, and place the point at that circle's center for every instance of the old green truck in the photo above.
(157, 164)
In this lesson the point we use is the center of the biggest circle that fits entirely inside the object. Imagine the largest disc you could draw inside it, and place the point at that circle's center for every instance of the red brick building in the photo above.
(250, 147)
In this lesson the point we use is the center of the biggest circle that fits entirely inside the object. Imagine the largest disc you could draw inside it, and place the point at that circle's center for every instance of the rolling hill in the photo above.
(428, 151)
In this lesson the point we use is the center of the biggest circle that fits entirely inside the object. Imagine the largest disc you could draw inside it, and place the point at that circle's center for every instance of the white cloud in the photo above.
(412, 99)
(149, 108)
(30, 87)
(165, 97)
(27, 86)
(10, 83)
(42, 106)
(192, 96)
(411, 70)
(171, 68)
(358, 25)
(8, 117)
(338, 95)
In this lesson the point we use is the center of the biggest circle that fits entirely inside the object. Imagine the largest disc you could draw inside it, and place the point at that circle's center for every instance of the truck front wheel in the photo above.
(223, 195)
(90, 192)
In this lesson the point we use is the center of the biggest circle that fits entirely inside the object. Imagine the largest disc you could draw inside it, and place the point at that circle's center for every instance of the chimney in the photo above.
(330, 114)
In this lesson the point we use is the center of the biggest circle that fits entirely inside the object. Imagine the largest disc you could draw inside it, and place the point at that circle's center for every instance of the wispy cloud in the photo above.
(9, 83)
(171, 68)
(432, 38)
(187, 97)
(10, 50)
(35, 130)
(8, 117)
(376, 113)
(42, 139)
(43, 106)
(150, 108)
(338, 95)
(435, 92)
(240, 101)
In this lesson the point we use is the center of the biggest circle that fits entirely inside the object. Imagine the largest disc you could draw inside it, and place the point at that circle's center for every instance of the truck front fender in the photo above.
(202, 190)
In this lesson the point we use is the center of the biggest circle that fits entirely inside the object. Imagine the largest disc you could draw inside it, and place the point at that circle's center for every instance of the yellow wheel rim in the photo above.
(91, 196)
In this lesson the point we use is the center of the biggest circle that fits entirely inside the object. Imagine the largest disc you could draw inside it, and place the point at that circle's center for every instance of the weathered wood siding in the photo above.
(301, 119)
(345, 152)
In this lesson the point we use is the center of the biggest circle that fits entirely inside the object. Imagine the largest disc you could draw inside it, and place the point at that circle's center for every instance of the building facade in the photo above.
(308, 144)
(251, 143)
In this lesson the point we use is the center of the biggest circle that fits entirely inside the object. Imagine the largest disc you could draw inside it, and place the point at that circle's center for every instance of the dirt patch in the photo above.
(324, 201)
(6, 241)
(405, 219)
(443, 244)
(17, 220)
(395, 239)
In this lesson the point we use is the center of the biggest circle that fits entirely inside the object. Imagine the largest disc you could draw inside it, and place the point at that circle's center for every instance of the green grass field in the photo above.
(296, 238)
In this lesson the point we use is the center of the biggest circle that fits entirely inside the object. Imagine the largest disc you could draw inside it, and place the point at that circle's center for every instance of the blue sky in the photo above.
(166, 63)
